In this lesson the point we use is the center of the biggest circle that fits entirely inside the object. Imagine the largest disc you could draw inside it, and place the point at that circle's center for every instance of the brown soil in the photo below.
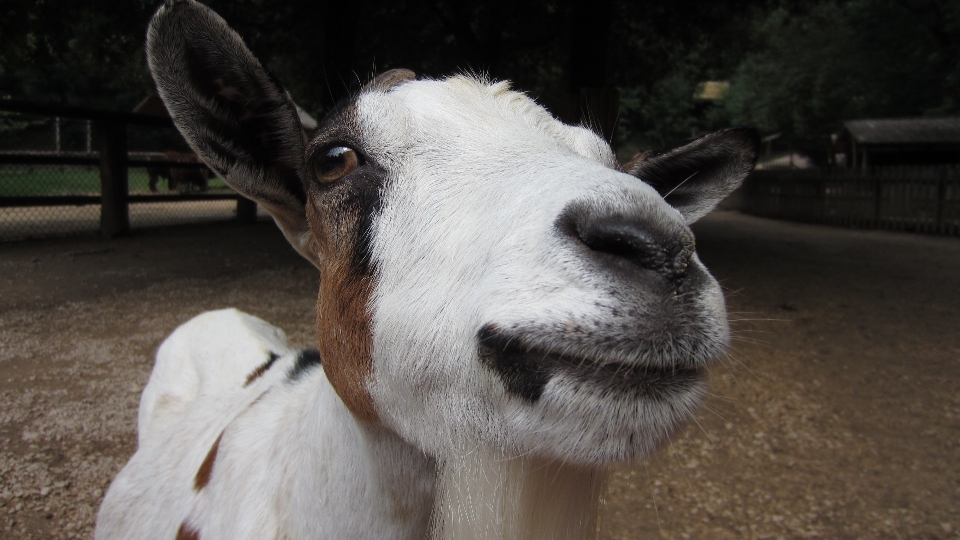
(837, 414)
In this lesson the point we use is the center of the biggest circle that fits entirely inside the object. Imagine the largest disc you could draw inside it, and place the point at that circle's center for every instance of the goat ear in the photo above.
(231, 112)
(695, 177)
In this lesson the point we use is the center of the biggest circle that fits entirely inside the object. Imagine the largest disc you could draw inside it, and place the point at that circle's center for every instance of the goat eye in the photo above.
(336, 163)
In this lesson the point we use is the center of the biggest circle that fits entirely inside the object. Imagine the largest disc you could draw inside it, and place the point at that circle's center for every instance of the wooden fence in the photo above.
(111, 156)
(919, 199)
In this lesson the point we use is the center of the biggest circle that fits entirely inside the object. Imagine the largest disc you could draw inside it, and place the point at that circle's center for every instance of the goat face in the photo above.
(489, 275)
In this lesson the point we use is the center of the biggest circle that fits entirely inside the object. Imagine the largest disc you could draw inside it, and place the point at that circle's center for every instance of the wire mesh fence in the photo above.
(67, 181)
(52, 176)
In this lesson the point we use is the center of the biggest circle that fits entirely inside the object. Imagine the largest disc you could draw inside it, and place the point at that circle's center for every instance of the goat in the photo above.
(183, 179)
(505, 313)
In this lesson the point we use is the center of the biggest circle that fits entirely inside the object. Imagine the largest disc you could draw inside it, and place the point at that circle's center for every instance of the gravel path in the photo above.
(837, 414)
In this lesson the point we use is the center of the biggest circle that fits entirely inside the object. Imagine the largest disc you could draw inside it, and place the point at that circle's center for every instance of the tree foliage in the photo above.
(799, 68)
(814, 66)
(74, 52)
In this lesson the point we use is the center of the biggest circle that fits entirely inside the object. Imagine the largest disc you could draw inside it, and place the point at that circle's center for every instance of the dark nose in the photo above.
(664, 247)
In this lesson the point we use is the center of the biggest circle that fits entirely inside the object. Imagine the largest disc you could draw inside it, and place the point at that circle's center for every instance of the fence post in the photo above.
(821, 213)
(246, 210)
(941, 199)
(114, 212)
(878, 200)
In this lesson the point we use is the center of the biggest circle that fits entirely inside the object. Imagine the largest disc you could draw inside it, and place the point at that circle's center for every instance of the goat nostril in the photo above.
(634, 247)
(642, 245)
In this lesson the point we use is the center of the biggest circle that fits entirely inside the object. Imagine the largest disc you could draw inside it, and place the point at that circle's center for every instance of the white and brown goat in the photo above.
(505, 313)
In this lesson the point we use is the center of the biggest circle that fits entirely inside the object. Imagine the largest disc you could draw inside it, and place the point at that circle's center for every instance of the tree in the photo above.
(796, 67)
(663, 49)
(78, 53)
(815, 66)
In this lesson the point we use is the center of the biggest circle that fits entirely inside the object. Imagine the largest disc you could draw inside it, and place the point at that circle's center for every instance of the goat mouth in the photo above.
(525, 371)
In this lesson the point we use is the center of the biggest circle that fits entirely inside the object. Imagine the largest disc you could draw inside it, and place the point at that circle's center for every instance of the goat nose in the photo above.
(665, 248)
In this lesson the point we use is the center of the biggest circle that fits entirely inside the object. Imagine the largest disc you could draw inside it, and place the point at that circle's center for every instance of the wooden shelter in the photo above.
(900, 141)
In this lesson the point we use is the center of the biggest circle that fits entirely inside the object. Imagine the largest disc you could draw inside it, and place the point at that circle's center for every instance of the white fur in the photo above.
(477, 176)
(467, 237)
(307, 468)
(482, 495)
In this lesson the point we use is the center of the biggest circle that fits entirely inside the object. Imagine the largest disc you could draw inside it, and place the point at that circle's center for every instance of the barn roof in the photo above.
(905, 130)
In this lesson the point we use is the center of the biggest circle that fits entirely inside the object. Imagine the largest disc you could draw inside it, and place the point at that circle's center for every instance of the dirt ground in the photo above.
(836, 416)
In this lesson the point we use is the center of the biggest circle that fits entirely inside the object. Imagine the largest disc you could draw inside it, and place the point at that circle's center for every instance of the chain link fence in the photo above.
(28, 181)
(52, 176)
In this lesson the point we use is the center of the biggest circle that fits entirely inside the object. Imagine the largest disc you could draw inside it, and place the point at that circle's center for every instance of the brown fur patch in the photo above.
(186, 532)
(254, 402)
(261, 369)
(255, 374)
(339, 214)
(206, 468)
(344, 336)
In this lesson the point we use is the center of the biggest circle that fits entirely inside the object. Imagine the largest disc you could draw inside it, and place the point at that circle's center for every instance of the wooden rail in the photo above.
(70, 111)
(87, 200)
(114, 162)
(37, 158)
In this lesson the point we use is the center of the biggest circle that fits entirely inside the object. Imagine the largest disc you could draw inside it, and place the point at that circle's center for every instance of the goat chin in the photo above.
(483, 494)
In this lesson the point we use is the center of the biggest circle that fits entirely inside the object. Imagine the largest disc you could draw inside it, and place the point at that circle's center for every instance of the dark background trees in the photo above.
(812, 65)
(798, 68)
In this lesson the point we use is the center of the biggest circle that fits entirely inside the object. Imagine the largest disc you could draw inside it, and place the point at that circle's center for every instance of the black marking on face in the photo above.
(520, 378)
(365, 199)
(307, 360)
(526, 371)
(261, 369)
(357, 195)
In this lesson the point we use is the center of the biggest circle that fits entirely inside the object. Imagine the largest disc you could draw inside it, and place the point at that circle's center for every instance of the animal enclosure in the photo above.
(56, 161)
(918, 199)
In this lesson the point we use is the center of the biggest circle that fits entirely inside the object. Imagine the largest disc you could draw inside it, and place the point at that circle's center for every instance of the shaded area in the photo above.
(837, 415)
